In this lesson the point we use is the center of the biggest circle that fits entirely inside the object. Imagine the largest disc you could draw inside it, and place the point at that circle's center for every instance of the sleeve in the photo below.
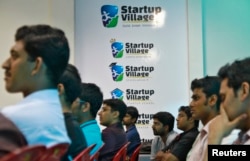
(154, 148)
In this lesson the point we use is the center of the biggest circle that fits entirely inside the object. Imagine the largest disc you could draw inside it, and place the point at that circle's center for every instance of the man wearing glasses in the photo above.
(85, 109)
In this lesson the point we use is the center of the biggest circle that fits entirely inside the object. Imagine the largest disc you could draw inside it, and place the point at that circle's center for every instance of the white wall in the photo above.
(15, 13)
(60, 13)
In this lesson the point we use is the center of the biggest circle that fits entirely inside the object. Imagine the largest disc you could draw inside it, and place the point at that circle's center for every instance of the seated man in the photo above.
(85, 108)
(131, 131)
(163, 125)
(69, 88)
(11, 137)
(36, 62)
(180, 146)
(114, 136)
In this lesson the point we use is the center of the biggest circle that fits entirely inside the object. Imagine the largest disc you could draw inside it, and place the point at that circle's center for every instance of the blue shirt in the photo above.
(92, 134)
(134, 138)
(39, 117)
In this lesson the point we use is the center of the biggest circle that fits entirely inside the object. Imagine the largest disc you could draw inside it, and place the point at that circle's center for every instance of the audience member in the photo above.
(37, 60)
(178, 149)
(131, 131)
(204, 106)
(235, 103)
(11, 137)
(163, 125)
(114, 136)
(69, 88)
(85, 109)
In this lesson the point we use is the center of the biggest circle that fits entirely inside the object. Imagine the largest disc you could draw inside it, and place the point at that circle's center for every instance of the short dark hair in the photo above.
(117, 105)
(187, 111)
(48, 43)
(71, 81)
(236, 73)
(92, 94)
(133, 112)
(210, 85)
(165, 118)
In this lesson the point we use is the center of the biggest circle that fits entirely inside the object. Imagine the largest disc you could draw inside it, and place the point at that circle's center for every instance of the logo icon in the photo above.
(117, 72)
(109, 15)
(117, 49)
(117, 94)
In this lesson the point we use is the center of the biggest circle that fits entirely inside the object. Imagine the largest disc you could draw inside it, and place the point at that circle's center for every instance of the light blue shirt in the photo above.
(92, 133)
(39, 116)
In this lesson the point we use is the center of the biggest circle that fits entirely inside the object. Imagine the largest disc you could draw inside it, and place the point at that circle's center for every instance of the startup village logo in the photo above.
(134, 72)
(133, 94)
(130, 14)
(130, 48)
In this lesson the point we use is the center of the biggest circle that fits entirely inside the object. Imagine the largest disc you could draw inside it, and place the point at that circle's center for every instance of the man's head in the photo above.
(112, 111)
(88, 103)
(131, 116)
(69, 86)
(185, 121)
(163, 123)
(235, 86)
(205, 99)
(38, 58)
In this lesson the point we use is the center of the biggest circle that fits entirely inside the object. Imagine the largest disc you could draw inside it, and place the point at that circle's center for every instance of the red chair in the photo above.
(94, 157)
(55, 152)
(135, 155)
(27, 153)
(84, 155)
(122, 153)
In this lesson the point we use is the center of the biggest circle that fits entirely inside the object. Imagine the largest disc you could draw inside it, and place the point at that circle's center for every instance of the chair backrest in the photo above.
(84, 155)
(26, 153)
(122, 153)
(135, 154)
(94, 157)
(55, 152)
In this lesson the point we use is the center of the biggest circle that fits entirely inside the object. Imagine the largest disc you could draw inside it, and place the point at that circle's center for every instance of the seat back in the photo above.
(135, 155)
(122, 153)
(26, 153)
(95, 156)
(84, 155)
(55, 152)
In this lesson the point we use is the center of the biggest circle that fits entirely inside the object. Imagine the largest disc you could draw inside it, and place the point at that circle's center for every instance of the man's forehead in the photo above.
(223, 85)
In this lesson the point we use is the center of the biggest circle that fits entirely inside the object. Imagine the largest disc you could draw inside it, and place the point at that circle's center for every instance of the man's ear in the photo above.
(212, 100)
(116, 114)
(85, 107)
(244, 93)
(133, 120)
(166, 127)
(60, 88)
(38, 65)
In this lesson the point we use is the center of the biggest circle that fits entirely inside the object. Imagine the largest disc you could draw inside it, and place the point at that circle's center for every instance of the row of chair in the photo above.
(54, 153)
(37, 153)
(122, 153)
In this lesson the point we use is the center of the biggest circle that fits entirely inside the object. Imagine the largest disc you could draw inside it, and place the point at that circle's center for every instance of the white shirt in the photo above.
(158, 144)
(39, 117)
(199, 147)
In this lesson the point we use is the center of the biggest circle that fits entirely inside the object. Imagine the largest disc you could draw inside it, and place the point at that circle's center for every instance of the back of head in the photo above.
(92, 94)
(71, 81)
(48, 43)
(210, 85)
(236, 73)
(165, 118)
(117, 105)
(187, 111)
(133, 112)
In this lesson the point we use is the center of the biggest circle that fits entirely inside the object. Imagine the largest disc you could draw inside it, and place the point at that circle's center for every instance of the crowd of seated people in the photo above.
(57, 107)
